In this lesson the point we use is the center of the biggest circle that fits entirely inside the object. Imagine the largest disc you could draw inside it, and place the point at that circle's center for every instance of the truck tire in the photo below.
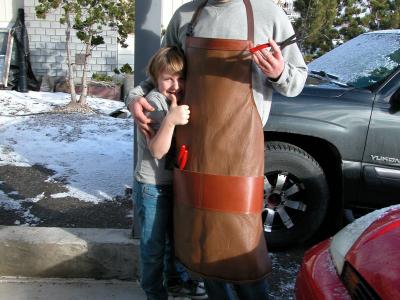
(296, 195)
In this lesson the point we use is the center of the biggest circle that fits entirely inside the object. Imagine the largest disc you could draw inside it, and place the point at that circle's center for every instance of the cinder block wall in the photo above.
(48, 46)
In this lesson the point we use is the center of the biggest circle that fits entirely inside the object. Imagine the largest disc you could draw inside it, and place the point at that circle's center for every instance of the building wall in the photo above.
(48, 46)
(8, 11)
(127, 55)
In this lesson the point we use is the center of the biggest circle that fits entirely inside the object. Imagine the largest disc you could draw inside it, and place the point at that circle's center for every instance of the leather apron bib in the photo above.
(218, 196)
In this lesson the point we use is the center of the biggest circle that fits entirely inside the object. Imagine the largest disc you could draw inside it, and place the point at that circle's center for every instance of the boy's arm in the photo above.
(160, 143)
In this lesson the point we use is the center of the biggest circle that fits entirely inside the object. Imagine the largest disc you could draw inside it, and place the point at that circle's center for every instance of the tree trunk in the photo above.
(88, 52)
(71, 75)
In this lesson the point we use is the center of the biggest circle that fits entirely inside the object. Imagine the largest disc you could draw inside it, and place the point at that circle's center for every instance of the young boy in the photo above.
(153, 180)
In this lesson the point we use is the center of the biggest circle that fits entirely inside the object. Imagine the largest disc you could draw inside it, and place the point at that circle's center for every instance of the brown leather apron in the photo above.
(218, 197)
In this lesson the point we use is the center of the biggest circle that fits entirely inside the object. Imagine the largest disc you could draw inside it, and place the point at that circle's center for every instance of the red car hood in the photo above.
(376, 255)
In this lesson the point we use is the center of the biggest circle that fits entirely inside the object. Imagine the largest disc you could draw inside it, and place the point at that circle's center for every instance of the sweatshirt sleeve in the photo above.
(292, 79)
(294, 75)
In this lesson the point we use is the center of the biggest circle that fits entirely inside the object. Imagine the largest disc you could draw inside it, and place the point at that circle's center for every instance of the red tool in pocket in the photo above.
(182, 157)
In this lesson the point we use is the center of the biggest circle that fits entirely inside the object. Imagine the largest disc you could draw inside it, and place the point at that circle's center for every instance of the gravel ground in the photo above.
(31, 188)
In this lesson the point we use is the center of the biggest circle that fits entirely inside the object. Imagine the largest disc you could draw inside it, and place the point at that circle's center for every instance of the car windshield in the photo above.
(362, 61)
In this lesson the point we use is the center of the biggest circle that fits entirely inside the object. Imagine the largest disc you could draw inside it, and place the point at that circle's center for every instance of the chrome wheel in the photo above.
(296, 195)
(282, 200)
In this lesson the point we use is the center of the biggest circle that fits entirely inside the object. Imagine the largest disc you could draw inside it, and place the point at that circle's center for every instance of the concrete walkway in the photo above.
(13, 288)
(68, 289)
(52, 252)
(51, 263)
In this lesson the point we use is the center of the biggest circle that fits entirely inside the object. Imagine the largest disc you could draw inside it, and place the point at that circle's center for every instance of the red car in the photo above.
(362, 261)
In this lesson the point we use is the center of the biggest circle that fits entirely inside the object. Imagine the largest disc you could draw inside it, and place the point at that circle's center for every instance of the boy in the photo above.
(153, 179)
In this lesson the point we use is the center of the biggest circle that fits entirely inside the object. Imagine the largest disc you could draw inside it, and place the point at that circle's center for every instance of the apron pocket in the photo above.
(217, 226)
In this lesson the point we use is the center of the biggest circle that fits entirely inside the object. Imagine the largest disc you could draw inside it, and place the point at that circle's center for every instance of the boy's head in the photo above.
(167, 70)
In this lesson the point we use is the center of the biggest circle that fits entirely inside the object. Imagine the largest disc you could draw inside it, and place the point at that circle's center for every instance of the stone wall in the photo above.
(48, 46)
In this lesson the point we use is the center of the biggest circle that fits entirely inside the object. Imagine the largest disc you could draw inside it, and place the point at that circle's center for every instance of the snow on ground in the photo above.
(92, 154)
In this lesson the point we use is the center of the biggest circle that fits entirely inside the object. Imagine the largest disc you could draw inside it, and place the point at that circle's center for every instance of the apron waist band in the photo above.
(221, 193)
(218, 44)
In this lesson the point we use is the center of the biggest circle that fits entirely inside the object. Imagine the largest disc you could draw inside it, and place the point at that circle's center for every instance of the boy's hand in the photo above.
(178, 114)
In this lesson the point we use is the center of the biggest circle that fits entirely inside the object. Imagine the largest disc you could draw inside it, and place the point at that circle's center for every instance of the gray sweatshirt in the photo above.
(227, 19)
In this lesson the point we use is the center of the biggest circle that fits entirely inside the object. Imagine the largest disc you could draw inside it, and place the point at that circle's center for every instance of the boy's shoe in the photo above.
(191, 289)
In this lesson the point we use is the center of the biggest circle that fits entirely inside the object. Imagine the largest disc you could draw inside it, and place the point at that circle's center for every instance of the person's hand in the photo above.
(138, 108)
(271, 61)
(178, 114)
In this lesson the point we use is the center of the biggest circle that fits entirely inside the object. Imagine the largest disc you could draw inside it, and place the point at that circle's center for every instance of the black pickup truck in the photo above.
(337, 144)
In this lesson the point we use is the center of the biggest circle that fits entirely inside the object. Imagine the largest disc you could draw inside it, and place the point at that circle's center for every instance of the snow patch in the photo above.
(92, 154)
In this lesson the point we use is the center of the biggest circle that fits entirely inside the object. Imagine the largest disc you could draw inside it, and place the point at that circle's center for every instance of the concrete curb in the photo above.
(52, 252)
(68, 289)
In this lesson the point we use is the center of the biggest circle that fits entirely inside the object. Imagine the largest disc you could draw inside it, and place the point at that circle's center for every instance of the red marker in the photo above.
(184, 160)
(181, 153)
(182, 157)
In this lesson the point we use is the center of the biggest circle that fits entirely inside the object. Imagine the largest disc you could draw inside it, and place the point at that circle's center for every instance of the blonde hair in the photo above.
(167, 59)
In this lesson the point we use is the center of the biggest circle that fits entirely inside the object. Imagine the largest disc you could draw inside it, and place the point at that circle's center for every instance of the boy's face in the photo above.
(170, 84)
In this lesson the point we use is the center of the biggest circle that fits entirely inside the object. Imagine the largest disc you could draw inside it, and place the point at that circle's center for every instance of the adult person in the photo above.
(229, 91)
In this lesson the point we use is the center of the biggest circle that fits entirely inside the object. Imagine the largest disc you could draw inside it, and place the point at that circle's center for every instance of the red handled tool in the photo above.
(182, 157)
(291, 40)
(181, 153)
(259, 47)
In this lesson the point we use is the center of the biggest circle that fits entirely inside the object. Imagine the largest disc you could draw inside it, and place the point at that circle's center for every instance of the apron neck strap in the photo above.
(249, 14)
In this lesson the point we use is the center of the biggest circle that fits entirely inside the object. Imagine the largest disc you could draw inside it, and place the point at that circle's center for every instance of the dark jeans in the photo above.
(154, 209)
(219, 290)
